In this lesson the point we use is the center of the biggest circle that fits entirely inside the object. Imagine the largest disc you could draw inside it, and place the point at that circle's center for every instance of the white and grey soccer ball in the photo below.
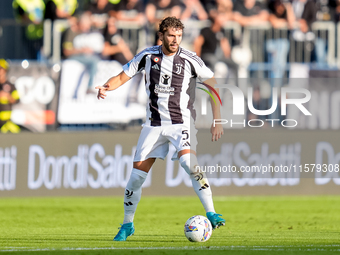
(198, 229)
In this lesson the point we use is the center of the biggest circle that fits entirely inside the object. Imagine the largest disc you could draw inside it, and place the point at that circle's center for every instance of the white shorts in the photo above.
(154, 142)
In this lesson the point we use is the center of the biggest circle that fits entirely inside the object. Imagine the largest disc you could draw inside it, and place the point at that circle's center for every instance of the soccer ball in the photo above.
(198, 229)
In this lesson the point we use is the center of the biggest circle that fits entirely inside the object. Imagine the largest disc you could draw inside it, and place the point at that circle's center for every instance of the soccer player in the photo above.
(168, 70)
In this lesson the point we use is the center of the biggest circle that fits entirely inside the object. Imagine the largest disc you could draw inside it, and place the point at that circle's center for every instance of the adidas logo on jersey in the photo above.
(155, 66)
(205, 186)
(186, 144)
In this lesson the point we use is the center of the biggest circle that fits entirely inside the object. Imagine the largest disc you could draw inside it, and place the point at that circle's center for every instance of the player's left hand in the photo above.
(216, 132)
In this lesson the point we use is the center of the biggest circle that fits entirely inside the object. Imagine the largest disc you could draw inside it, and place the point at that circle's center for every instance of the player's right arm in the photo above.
(130, 69)
(112, 84)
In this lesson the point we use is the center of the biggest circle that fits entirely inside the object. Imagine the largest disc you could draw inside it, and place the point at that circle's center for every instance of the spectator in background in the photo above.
(115, 47)
(213, 47)
(305, 13)
(85, 46)
(193, 10)
(31, 13)
(247, 13)
(224, 9)
(68, 34)
(156, 10)
(209, 5)
(282, 20)
(281, 14)
(100, 10)
(250, 12)
(8, 97)
(131, 10)
(60, 9)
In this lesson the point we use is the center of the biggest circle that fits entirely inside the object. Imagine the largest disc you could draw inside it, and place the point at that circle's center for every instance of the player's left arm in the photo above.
(216, 129)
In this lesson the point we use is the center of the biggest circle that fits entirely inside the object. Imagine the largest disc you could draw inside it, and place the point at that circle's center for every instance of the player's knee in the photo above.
(144, 165)
(189, 163)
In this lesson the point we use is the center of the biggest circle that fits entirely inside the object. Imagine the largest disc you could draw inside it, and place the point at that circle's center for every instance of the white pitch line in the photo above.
(254, 248)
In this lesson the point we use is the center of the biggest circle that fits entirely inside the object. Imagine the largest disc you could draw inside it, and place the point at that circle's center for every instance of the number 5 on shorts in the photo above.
(185, 132)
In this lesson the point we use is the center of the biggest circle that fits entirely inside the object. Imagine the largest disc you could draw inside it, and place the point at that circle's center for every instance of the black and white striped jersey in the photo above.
(168, 83)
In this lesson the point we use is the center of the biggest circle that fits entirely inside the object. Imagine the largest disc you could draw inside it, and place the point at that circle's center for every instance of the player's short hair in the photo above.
(170, 22)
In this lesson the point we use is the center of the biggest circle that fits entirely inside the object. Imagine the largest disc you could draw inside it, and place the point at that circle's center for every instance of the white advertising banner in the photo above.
(100, 163)
(37, 87)
(78, 103)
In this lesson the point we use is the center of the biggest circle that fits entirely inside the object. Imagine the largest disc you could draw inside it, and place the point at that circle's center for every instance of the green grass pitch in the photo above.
(254, 225)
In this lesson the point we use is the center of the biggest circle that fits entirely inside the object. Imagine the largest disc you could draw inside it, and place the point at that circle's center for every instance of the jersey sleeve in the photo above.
(202, 71)
(135, 65)
(199, 69)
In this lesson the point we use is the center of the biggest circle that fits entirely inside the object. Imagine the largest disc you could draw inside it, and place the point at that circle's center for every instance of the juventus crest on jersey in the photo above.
(167, 81)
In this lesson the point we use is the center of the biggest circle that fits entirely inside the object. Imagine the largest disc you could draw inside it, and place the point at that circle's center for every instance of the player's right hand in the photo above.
(102, 91)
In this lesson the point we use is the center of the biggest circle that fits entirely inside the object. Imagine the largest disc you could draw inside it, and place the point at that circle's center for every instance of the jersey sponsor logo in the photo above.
(165, 79)
(155, 66)
(156, 59)
(162, 89)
